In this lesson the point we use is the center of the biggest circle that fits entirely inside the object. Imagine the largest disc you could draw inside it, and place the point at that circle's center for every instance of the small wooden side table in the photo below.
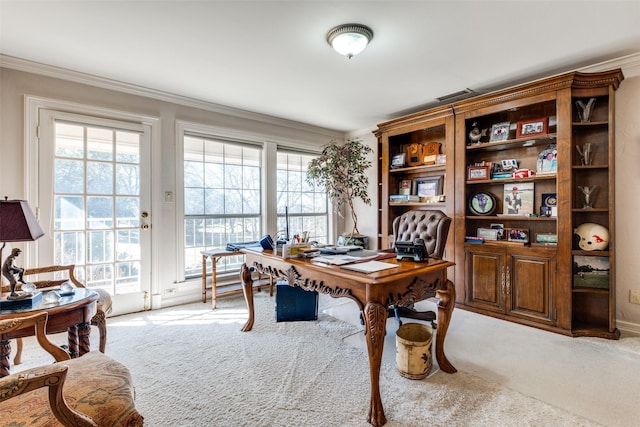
(215, 255)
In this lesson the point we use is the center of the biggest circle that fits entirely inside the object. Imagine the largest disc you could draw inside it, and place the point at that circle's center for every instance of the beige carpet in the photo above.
(193, 367)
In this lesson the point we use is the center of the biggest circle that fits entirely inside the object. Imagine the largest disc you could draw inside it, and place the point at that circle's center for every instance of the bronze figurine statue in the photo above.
(9, 270)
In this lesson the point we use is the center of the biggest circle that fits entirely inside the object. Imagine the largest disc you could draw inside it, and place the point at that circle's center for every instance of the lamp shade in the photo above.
(18, 222)
(349, 39)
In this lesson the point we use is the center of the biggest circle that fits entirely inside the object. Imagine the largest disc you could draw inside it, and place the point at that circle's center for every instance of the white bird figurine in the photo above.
(584, 113)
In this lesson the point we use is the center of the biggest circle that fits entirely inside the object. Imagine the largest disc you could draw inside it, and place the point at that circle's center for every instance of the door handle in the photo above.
(508, 281)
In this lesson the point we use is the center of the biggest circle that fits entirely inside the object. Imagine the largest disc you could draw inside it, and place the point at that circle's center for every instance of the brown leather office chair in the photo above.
(92, 390)
(432, 226)
(66, 273)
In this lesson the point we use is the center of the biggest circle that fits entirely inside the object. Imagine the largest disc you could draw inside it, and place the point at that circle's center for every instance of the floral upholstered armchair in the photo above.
(92, 390)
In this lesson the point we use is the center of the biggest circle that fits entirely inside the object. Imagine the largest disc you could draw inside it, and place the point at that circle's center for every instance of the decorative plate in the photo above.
(481, 203)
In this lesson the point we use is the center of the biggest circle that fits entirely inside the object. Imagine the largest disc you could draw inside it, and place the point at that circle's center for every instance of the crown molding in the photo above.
(18, 64)
(630, 65)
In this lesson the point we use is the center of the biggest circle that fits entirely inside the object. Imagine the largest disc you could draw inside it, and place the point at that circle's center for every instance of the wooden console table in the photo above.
(372, 292)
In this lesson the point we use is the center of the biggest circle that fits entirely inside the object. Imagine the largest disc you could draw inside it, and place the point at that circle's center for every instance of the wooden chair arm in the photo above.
(39, 321)
(53, 377)
(53, 268)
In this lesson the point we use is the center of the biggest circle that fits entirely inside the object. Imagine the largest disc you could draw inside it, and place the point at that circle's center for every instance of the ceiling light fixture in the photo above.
(349, 39)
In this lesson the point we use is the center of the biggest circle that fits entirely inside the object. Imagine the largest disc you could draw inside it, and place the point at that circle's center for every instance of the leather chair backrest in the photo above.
(432, 226)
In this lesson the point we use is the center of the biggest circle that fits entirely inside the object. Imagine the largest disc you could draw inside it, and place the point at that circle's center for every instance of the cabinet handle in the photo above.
(508, 281)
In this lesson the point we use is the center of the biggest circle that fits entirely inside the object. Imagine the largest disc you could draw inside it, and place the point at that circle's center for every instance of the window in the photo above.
(222, 199)
(305, 204)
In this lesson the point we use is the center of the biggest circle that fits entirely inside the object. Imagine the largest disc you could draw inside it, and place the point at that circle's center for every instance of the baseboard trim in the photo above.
(628, 328)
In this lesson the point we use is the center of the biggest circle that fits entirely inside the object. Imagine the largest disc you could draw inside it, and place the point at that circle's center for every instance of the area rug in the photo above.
(192, 366)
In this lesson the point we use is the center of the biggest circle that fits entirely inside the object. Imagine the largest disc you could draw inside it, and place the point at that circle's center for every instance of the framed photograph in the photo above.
(405, 187)
(481, 203)
(488, 233)
(535, 127)
(429, 186)
(549, 205)
(500, 230)
(441, 159)
(518, 199)
(478, 173)
(398, 161)
(500, 132)
(548, 160)
(519, 235)
(591, 272)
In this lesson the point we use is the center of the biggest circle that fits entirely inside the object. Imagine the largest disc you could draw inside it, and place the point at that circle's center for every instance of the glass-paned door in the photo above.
(94, 201)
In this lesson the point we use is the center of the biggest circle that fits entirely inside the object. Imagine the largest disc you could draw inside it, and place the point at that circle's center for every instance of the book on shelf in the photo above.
(403, 198)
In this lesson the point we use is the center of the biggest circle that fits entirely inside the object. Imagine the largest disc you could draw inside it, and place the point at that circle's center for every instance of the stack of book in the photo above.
(403, 198)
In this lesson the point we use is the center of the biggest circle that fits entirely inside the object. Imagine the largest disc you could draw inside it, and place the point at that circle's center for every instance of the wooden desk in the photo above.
(373, 293)
(72, 314)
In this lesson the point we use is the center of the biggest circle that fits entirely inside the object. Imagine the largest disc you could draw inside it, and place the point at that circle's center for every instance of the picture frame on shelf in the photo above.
(428, 186)
(405, 186)
(488, 233)
(500, 132)
(549, 205)
(478, 173)
(398, 161)
(517, 235)
(591, 272)
(499, 228)
(482, 203)
(518, 199)
(547, 162)
(441, 159)
(536, 127)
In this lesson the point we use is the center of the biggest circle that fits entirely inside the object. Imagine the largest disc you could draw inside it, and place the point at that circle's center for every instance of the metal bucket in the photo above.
(413, 350)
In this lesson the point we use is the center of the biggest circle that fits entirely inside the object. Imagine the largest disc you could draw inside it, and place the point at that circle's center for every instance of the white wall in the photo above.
(15, 85)
(627, 203)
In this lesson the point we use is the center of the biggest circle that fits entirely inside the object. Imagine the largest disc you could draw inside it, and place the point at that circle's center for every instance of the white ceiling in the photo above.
(272, 57)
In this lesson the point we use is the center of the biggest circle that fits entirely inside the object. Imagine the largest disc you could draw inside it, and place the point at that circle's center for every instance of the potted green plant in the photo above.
(340, 169)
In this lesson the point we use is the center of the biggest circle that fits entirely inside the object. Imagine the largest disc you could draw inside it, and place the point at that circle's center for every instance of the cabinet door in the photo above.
(485, 278)
(529, 286)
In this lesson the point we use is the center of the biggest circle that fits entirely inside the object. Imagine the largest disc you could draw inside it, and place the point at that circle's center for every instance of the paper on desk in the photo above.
(370, 266)
(335, 259)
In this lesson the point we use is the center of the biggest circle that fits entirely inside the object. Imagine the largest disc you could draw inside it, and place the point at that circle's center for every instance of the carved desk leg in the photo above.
(375, 317)
(446, 301)
(247, 290)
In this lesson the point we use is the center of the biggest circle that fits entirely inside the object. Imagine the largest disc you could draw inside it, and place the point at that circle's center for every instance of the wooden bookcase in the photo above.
(538, 275)
(409, 135)
(540, 284)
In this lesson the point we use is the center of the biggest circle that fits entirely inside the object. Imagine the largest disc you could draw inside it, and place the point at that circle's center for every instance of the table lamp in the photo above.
(17, 224)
